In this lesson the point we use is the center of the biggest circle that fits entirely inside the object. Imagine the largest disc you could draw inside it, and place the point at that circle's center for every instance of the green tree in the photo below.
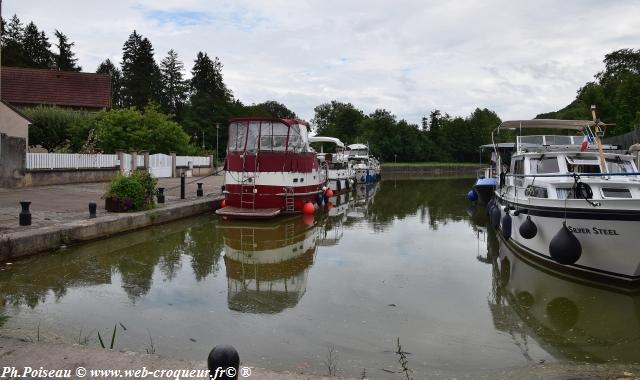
(275, 109)
(615, 92)
(132, 129)
(107, 67)
(65, 59)
(174, 87)
(337, 119)
(140, 74)
(12, 50)
(36, 47)
(211, 103)
(51, 126)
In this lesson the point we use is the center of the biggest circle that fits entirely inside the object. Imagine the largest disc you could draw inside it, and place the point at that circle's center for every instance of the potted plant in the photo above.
(131, 193)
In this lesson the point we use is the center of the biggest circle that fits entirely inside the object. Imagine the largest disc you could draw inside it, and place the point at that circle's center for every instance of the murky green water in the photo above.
(405, 259)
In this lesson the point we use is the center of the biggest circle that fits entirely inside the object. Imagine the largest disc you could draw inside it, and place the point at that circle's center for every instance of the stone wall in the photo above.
(67, 176)
(12, 160)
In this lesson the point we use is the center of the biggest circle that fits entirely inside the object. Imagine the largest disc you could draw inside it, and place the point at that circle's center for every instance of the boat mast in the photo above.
(598, 132)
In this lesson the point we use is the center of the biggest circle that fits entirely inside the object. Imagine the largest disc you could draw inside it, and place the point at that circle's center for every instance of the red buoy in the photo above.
(308, 208)
(329, 205)
(329, 193)
(223, 204)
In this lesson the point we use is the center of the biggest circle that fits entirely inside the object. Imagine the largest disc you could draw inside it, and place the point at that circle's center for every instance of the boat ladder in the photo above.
(248, 185)
(289, 200)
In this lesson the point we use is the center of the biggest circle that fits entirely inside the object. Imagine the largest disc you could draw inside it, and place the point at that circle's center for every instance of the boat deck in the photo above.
(238, 212)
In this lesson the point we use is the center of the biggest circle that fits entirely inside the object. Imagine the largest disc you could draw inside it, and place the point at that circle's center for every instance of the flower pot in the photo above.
(115, 204)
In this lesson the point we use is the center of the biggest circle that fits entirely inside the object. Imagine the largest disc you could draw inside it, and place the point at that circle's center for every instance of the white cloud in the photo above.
(517, 58)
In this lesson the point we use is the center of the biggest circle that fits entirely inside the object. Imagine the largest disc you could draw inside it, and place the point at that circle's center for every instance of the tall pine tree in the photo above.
(107, 67)
(207, 79)
(36, 47)
(174, 87)
(12, 36)
(140, 73)
(65, 59)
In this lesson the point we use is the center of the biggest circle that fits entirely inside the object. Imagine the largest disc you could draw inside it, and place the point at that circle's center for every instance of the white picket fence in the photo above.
(71, 161)
(160, 164)
(195, 160)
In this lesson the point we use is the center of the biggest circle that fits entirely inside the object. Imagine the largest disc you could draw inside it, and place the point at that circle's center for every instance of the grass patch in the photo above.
(3, 319)
(430, 164)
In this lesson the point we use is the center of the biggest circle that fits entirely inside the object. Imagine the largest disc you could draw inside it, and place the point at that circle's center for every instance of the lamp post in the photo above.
(202, 139)
(217, 129)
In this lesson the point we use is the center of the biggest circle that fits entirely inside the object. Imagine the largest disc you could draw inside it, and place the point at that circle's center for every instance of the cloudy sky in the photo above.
(519, 58)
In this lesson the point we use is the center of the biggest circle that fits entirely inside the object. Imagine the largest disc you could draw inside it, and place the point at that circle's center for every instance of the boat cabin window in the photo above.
(618, 165)
(544, 165)
(298, 140)
(237, 137)
(517, 168)
(266, 135)
(580, 165)
(252, 137)
(280, 132)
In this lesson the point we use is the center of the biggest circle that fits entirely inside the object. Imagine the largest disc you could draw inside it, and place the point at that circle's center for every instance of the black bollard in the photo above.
(223, 362)
(199, 192)
(161, 195)
(25, 214)
(92, 210)
(182, 185)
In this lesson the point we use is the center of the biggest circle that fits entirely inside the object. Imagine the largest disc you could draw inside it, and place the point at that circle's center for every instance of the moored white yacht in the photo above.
(340, 174)
(365, 166)
(569, 201)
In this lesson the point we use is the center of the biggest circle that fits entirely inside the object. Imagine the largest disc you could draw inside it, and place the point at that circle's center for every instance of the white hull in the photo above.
(339, 179)
(609, 246)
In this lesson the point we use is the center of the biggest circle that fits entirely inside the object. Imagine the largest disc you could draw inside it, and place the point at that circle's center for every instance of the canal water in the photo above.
(404, 263)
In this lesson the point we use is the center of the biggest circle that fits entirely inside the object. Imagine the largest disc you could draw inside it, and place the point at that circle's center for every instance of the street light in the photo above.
(217, 151)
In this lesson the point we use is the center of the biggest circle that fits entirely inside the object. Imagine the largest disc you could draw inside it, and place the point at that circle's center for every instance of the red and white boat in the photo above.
(270, 168)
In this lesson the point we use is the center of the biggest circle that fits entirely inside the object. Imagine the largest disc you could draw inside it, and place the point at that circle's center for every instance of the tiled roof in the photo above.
(63, 88)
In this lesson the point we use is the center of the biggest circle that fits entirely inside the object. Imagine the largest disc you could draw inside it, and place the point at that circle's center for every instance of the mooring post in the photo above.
(161, 195)
(223, 362)
(25, 214)
(182, 185)
(199, 192)
(92, 210)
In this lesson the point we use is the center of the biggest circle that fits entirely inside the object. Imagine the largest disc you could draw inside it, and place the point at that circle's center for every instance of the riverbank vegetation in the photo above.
(157, 108)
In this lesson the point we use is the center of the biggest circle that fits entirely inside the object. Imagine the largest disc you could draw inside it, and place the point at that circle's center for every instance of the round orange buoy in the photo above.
(308, 219)
(308, 208)
(223, 204)
(329, 193)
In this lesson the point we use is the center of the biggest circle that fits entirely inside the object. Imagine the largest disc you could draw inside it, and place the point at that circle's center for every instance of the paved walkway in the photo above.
(51, 205)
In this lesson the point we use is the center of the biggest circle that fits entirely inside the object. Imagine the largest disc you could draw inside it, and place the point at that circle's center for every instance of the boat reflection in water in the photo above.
(268, 262)
(570, 320)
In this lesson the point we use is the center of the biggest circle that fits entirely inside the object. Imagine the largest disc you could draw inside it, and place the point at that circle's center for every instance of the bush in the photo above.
(130, 129)
(135, 191)
(54, 128)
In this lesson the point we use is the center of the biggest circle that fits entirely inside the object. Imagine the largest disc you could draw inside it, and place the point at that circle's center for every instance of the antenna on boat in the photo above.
(598, 133)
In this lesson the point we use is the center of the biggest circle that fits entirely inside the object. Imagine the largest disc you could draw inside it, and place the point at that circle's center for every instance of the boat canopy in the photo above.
(498, 146)
(357, 147)
(577, 125)
(268, 134)
(332, 140)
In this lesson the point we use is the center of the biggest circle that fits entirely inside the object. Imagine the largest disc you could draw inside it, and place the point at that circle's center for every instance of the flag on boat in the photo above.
(586, 141)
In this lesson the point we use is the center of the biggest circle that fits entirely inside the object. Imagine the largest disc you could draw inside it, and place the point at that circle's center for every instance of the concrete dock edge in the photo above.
(19, 244)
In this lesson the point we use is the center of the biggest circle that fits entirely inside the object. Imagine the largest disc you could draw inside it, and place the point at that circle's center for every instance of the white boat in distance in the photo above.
(569, 201)
(365, 166)
(340, 175)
